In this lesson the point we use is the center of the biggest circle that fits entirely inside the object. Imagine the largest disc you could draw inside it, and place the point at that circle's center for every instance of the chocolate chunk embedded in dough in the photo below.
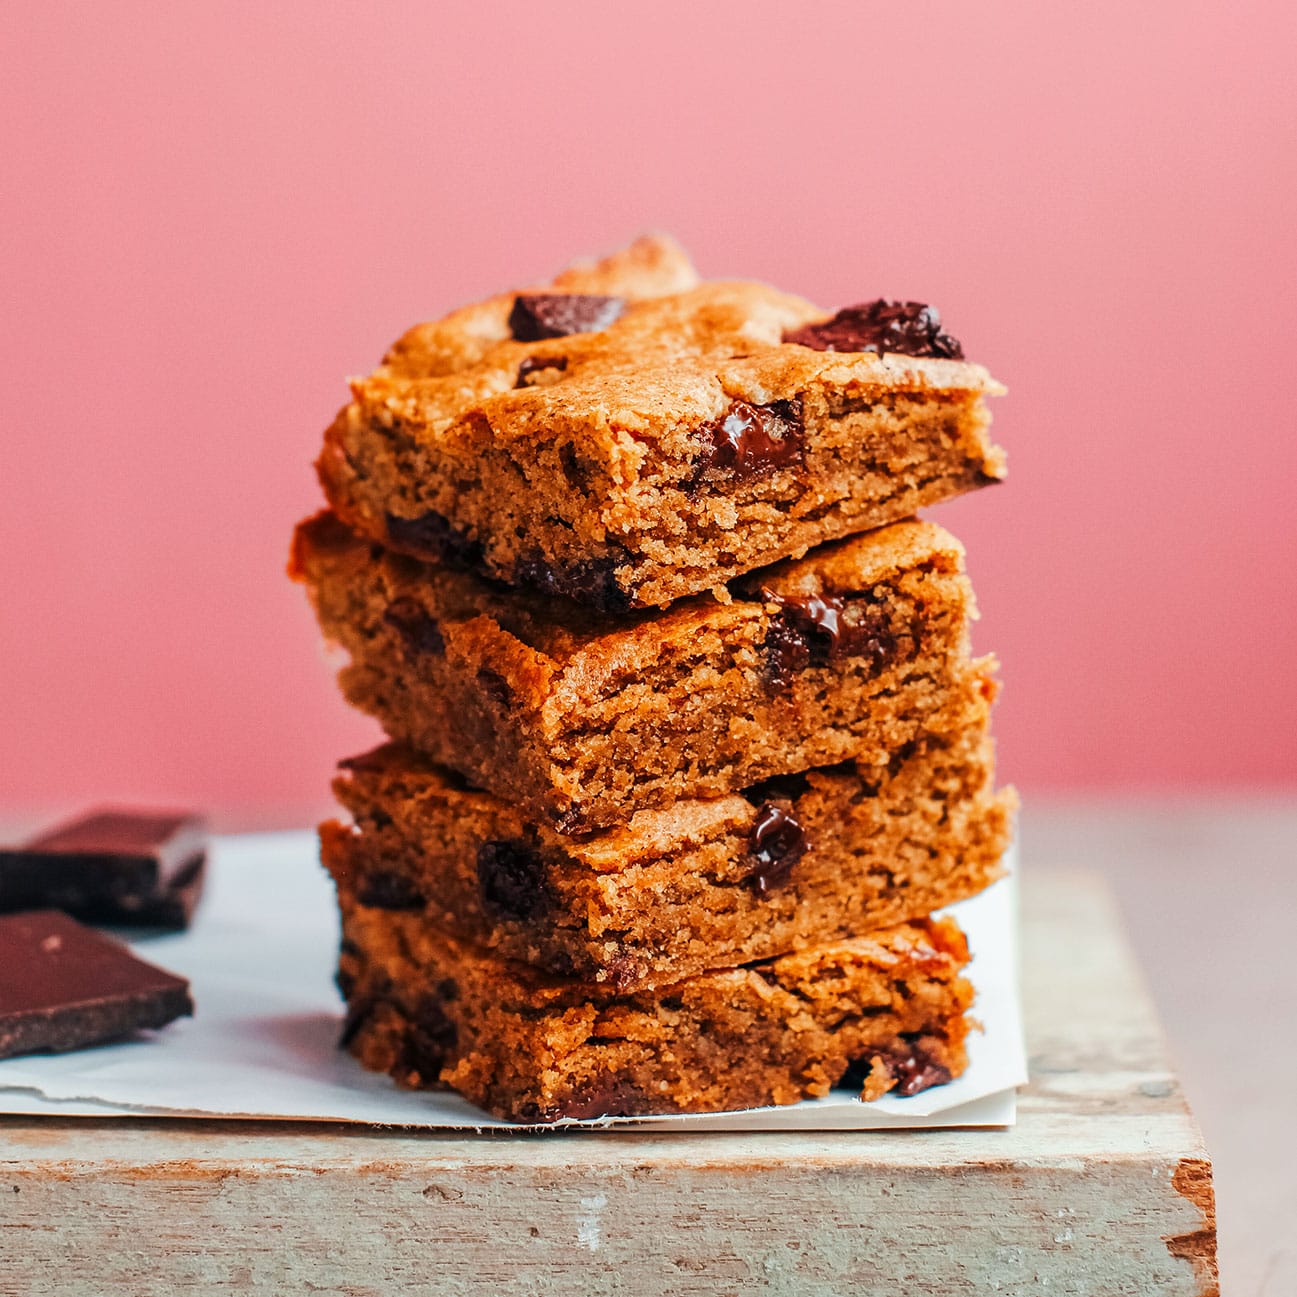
(749, 440)
(903, 328)
(777, 843)
(556, 315)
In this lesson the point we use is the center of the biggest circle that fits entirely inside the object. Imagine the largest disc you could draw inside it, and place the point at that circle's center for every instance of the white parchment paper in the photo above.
(260, 957)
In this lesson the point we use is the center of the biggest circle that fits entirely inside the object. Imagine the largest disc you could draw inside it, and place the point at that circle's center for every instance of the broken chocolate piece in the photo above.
(64, 986)
(536, 364)
(777, 843)
(904, 328)
(556, 315)
(111, 866)
(748, 440)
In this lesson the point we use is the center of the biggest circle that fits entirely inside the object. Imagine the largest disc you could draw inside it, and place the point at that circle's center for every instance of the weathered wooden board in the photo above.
(1102, 1189)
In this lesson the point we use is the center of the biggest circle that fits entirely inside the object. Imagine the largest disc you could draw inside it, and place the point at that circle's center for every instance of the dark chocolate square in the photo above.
(64, 986)
(111, 866)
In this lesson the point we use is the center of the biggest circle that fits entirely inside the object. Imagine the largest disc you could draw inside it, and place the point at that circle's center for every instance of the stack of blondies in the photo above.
(687, 744)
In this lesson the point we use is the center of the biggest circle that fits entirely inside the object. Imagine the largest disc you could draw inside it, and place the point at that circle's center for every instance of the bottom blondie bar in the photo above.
(883, 1012)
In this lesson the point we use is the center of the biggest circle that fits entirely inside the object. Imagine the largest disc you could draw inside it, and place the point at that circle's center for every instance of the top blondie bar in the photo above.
(627, 435)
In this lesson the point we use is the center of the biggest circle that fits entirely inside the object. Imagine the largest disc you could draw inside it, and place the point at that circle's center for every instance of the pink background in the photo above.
(212, 213)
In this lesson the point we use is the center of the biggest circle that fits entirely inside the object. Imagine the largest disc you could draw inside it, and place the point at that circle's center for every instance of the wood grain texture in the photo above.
(1103, 1188)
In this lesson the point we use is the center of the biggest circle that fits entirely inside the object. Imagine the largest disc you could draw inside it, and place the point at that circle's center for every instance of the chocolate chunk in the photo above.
(911, 1068)
(749, 440)
(904, 328)
(111, 866)
(592, 582)
(430, 1037)
(384, 890)
(786, 651)
(63, 986)
(433, 535)
(415, 625)
(815, 630)
(611, 1096)
(495, 687)
(535, 365)
(777, 842)
(574, 470)
(357, 1015)
(511, 880)
(555, 315)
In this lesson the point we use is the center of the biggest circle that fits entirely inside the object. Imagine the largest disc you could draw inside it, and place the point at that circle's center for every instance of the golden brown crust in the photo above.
(592, 479)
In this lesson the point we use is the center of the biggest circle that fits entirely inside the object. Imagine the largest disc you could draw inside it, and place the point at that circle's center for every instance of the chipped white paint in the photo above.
(1100, 1189)
(587, 1227)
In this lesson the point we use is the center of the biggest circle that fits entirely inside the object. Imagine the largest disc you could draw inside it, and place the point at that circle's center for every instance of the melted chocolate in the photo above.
(430, 1037)
(777, 842)
(415, 626)
(609, 1096)
(912, 1068)
(556, 315)
(536, 364)
(815, 630)
(786, 788)
(495, 687)
(433, 535)
(387, 891)
(749, 440)
(511, 880)
(592, 582)
(904, 328)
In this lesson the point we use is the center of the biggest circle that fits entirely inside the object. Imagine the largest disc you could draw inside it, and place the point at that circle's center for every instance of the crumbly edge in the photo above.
(537, 511)
(654, 265)
(675, 892)
(690, 694)
(434, 1013)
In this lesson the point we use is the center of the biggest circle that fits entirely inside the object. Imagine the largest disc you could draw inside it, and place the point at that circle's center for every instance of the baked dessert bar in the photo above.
(853, 651)
(880, 1012)
(701, 884)
(626, 435)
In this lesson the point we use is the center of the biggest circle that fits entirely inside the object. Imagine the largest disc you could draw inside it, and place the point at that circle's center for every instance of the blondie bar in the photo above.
(627, 436)
(882, 1012)
(851, 652)
(701, 884)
